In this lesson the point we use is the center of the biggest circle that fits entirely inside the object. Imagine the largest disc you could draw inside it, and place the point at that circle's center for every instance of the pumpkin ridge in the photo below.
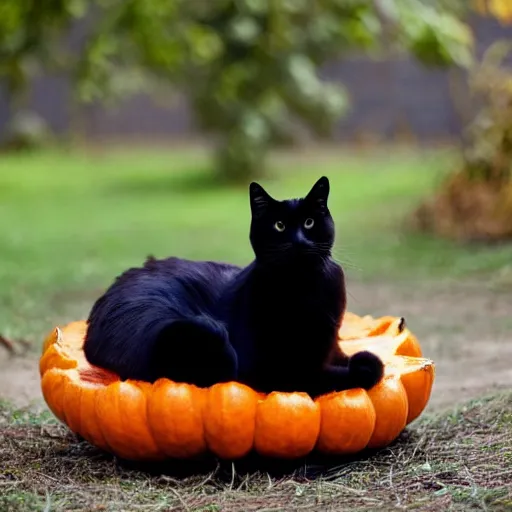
(346, 414)
(138, 420)
(174, 438)
(128, 433)
(391, 405)
(229, 419)
(89, 425)
(287, 425)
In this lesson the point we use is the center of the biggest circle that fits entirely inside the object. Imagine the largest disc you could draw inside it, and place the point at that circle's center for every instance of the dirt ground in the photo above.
(465, 328)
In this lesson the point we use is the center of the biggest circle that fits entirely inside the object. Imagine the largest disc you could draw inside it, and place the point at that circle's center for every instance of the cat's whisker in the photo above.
(342, 252)
(345, 262)
(348, 264)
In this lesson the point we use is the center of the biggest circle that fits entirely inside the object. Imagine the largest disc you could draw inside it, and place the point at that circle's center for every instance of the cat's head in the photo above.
(294, 227)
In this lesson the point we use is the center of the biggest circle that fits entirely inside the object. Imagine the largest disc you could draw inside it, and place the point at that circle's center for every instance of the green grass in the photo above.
(72, 221)
(459, 461)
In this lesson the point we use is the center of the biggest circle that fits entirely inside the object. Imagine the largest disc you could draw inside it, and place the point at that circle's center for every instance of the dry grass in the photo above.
(468, 210)
(461, 460)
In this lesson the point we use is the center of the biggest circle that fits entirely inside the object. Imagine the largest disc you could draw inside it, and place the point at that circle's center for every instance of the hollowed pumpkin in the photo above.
(141, 421)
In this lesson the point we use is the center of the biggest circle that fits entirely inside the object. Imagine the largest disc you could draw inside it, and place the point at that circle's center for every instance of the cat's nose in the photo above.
(300, 239)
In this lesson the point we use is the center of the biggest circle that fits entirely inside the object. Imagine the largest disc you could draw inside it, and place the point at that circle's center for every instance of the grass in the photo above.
(460, 460)
(72, 221)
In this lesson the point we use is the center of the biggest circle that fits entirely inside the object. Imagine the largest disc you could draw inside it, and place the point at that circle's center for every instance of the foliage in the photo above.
(250, 68)
(27, 35)
(29, 31)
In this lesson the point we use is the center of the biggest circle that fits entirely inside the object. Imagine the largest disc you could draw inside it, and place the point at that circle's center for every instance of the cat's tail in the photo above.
(365, 369)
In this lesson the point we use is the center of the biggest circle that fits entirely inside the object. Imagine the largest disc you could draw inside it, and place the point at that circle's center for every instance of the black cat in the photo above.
(272, 325)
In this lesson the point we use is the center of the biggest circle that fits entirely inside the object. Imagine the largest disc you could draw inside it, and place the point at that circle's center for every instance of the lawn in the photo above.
(72, 221)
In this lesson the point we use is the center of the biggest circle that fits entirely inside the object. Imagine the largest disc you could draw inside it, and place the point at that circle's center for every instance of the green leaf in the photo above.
(244, 29)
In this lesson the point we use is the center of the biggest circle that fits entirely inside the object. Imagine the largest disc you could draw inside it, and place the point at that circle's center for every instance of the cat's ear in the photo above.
(260, 199)
(319, 194)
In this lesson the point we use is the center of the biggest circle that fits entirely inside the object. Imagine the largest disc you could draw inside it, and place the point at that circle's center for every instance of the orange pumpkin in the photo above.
(141, 421)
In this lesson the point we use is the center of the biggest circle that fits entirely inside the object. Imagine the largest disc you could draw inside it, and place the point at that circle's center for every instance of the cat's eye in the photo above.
(309, 223)
(279, 226)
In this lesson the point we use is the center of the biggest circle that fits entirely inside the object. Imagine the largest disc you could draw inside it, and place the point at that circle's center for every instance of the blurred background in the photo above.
(133, 127)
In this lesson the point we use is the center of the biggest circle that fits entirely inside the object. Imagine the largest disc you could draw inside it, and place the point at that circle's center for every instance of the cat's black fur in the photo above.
(272, 325)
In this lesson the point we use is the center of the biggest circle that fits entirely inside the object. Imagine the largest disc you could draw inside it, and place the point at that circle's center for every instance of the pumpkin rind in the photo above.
(121, 413)
(50, 339)
(229, 419)
(90, 426)
(71, 402)
(177, 428)
(53, 358)
(389, 399)
(287, 425)
(418, 386)
(347, 422)
(52, 387)
(141, 421)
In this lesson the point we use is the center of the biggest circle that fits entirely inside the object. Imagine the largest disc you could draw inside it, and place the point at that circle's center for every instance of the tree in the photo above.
(250, 68)
(29, 30)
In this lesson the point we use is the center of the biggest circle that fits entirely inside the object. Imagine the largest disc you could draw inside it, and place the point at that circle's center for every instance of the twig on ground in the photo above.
(8, 344)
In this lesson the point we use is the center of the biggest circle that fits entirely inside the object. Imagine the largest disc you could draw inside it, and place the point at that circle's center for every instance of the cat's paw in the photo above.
(366, 369)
